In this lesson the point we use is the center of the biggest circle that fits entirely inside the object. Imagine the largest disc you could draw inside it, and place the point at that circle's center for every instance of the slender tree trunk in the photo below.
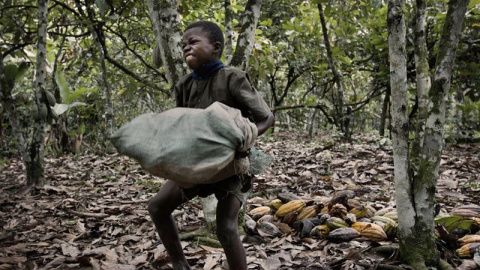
(168, 33)
(385, 110)
(340, 114)
(422, 74)
(313, 124)
(246, 38)
(228, 32)
(99, 40)
(34, 157)
(105, 87)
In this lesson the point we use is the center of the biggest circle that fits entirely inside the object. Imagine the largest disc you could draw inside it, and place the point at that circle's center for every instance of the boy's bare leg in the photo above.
(227, 232)
(160, 208)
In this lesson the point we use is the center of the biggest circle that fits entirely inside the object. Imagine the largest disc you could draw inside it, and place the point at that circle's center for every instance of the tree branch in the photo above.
(135, 53)
(135, 76)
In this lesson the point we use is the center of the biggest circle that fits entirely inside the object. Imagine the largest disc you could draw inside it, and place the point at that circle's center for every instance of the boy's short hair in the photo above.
(214, 32)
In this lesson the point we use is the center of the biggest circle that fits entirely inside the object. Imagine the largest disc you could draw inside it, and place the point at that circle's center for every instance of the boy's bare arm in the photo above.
(265, 124)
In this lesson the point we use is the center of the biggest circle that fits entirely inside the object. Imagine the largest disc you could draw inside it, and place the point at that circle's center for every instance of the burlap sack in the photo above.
(188, 146)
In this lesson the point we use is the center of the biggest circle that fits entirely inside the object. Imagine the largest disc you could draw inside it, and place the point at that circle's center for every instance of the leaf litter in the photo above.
(92, 214)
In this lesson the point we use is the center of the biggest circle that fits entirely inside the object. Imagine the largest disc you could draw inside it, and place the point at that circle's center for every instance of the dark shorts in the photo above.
(238, 186)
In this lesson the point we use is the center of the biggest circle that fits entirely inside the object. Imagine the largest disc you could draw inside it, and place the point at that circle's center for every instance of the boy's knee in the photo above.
(225, 232)
(155, 208)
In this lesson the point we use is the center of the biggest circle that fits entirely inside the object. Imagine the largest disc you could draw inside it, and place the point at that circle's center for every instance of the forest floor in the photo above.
(92, 213)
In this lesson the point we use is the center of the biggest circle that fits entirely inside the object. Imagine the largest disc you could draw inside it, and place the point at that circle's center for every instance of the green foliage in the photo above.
(470, 113)
(83, 94)
(62, 85)
(454, 222)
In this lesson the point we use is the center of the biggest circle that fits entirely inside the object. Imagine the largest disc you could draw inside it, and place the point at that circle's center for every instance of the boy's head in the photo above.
(202, 42)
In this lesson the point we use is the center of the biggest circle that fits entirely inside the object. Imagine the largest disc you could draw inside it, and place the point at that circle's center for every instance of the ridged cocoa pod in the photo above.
(468, 250)
(472, 238)
(263, 210)
(307, 212)
(290, 218)
(338, 210)
(369, 230)
(321, 231)
(295, 205)
(335, 223)
(268, 229)
(343, 234)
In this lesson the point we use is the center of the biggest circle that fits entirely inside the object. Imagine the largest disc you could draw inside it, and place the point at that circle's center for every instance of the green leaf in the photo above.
(61, 108)
(102, 6)
(10, 72)
(62, 85)
(452, 222)
(267, 22)
(81, 129)
(77, 94)
(473, 3)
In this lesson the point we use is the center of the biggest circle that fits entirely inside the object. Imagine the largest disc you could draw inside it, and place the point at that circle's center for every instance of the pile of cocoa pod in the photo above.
(342, 218)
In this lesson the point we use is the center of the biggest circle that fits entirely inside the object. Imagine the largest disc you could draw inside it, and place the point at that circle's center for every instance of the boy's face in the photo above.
(197, 48)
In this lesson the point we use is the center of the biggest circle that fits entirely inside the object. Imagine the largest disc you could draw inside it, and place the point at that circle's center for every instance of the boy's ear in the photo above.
(217, 46)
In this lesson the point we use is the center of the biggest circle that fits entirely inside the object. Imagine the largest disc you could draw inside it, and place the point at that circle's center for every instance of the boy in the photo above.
(210, 81)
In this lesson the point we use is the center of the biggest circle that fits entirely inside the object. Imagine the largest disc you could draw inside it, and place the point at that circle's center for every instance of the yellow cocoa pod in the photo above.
(392, 214)
(295, 205)
(307, 212)
(320, 231)
(275, 203)
(369, 230)
(359, 226)
(467, 250)
(261, 210)
(472, 238)
(359, 211)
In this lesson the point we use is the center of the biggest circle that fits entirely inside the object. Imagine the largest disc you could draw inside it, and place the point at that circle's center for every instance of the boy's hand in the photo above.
(265, 124)
(241, 154)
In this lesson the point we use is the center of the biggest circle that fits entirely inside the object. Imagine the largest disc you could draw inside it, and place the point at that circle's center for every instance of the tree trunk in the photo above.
(246, 37)
(385, 110)
(168, 34)
(416, 175)
(228, 32)
(96, 31)
(34, 157)
(104, 85)
(422, 73)
(340, 115)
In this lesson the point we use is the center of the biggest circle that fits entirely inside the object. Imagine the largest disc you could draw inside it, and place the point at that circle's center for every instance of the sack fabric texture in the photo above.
(188, 146)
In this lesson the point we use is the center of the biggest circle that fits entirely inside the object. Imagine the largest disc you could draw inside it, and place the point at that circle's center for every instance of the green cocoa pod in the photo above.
(34, 113)
(42, 111)
(50, 98)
